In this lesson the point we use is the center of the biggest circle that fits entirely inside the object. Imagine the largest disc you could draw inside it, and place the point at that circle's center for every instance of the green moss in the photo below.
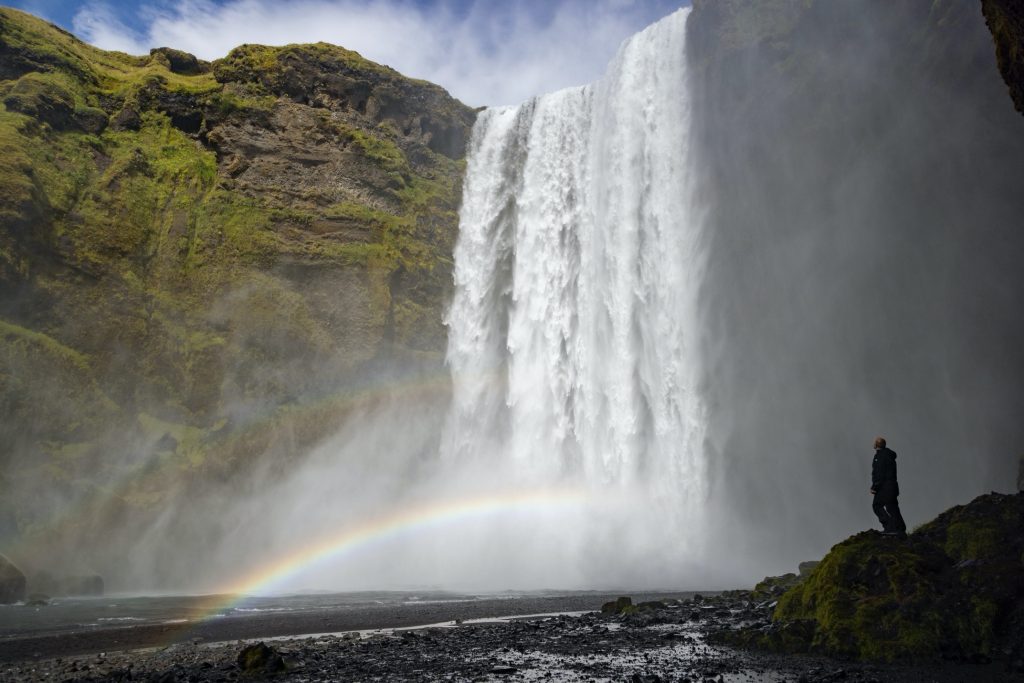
(383, 151)
(361, 213)
(971, 539)
(14, 334)
(48, 97)
(40, 46)
(943, 592)
(234, 101)
(874, 598)
(18, 190)
(269, 64)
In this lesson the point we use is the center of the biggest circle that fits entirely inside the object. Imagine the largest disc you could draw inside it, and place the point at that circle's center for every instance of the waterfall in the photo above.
(572, 331)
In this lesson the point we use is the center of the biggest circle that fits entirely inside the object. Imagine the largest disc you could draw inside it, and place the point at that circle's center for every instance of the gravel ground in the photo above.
(664, 642)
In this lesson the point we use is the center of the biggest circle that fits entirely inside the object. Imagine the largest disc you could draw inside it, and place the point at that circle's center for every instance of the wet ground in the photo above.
(665, 642)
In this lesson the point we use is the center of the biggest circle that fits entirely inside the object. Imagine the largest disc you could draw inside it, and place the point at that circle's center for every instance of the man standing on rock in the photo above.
(886, 490)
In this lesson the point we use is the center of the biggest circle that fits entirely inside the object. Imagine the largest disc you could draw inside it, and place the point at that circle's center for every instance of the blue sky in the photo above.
(484, 51)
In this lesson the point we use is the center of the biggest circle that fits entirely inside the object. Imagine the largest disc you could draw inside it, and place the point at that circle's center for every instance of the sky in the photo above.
(485, 52)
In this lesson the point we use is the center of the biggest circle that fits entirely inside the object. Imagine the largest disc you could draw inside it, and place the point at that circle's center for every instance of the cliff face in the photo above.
(865, 180)
(188, 249)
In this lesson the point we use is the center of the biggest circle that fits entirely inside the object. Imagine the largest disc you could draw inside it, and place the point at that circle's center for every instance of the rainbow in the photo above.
(417, 518)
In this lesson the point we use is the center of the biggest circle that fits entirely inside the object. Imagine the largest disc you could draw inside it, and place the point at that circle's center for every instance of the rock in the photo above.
(1020, 474)
(179, 61)
(772, 586)
(37, 600)
(617, 606)
(12, 582)
(126, 119)
(90, 119)
(260, 659)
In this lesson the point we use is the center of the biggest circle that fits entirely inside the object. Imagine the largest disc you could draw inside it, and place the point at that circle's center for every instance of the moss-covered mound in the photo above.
(196, 258)
(954, 588)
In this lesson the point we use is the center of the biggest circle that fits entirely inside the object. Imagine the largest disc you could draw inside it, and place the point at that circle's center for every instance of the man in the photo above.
(886, 490)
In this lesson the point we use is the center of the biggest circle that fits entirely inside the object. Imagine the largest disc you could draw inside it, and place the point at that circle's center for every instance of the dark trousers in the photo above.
(887, 507)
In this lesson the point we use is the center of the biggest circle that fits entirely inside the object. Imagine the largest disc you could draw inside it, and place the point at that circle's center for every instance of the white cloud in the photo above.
(98, 24)
(491, 53)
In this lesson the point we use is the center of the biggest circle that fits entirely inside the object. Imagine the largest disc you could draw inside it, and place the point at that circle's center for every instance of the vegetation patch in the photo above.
(952, 589)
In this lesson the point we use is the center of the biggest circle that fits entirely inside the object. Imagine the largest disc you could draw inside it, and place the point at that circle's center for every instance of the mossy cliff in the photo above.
(953, 589)
(187, 247)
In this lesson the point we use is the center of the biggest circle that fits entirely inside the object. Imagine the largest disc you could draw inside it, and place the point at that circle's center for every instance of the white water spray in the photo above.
(572, 333)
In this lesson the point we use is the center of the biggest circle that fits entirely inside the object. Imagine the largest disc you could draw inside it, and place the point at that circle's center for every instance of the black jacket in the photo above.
(883, 469)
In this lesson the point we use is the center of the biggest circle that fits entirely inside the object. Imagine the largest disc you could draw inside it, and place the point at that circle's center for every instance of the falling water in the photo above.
(572, 331)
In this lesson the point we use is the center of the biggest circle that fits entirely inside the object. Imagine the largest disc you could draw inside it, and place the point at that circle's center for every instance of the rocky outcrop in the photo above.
(953, 589)
(330, 77)
(178, 61)
(1005, 19)
(12, 582)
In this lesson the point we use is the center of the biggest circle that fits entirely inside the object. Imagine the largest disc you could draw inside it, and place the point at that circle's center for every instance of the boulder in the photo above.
(774, 586)
(260, 659)
(617, 606)
(179, 61)
(12, 582)
(126, 119)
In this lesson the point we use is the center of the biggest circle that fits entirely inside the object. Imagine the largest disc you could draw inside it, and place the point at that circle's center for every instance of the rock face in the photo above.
(953, 589)
(1005, 19)
(12, 582)
(196, 258)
